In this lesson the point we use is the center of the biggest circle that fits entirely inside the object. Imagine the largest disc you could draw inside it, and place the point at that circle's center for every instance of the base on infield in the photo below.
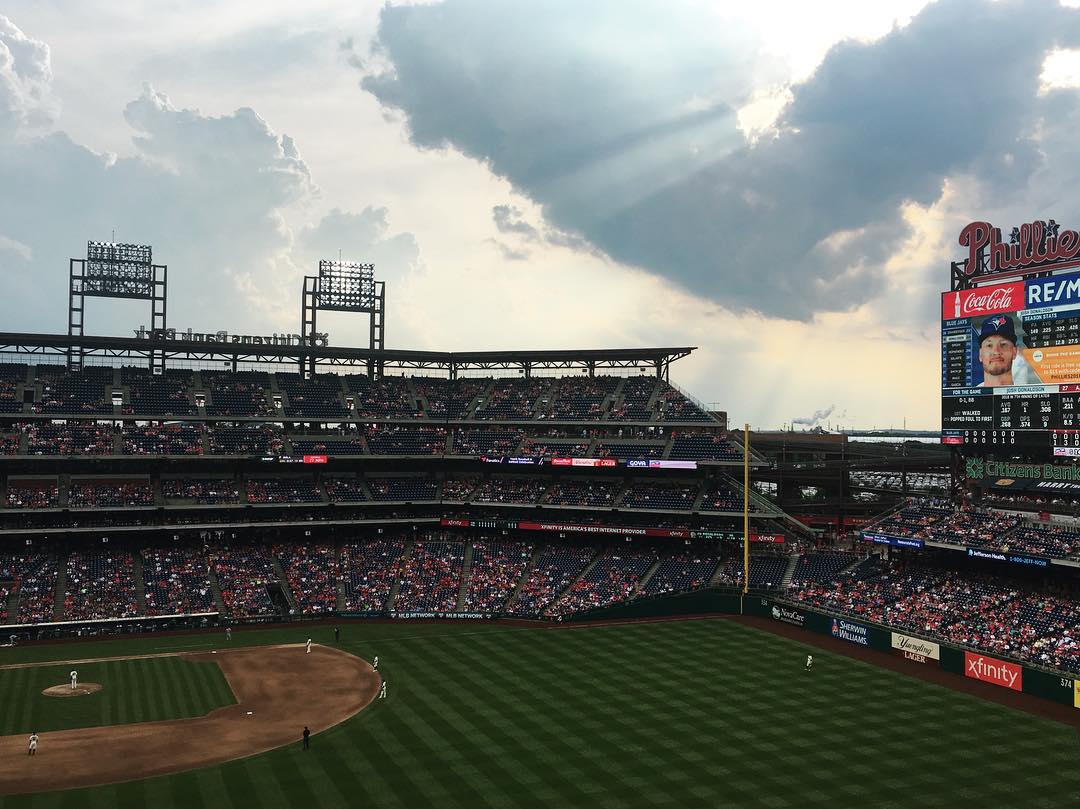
(81, 690)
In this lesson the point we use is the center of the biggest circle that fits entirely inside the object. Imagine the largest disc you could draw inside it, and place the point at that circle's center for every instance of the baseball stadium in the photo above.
(267, 570)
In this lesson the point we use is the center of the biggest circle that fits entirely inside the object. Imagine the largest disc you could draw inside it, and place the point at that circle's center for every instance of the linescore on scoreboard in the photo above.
(1010, 355)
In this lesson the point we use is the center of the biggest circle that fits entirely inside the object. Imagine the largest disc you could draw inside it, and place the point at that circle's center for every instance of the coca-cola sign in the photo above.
(983, 301)
(1032, 245)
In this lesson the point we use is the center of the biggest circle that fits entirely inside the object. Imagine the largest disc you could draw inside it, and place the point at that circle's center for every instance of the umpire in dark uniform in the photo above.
(337, 634)
(307, 733)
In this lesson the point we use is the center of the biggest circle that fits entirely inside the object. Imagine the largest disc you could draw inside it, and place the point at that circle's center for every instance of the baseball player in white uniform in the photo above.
(382, 691)
(33, 743)
(308, 646)
(74, 679)
(375, 663)
(809, 662)
(228, 633)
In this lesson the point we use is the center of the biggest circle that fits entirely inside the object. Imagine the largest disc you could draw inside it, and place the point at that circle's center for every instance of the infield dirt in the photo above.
(279, 690)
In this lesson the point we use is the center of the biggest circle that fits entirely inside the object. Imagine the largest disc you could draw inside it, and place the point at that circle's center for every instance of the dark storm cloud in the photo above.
(621, 124)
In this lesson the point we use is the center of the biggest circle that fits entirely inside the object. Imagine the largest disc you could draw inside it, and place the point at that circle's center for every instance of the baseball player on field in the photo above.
(809, 662)
(382, 691)
(308, 646)
(33, 743)
(228, 633)
(375, 663)
(74, 679)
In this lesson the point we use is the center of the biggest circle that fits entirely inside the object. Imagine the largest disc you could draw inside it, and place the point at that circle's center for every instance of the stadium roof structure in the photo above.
(139, 350)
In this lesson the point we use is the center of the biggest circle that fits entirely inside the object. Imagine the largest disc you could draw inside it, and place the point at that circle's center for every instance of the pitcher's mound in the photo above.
(81, 690)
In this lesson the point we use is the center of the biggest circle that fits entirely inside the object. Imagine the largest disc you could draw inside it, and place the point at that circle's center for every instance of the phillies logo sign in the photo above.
(1031, 245)
(983, 301)
(991, 670)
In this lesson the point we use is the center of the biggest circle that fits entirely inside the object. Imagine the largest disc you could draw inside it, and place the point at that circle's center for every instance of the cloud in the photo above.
(210, 193)
(635, 145)
(25, 75)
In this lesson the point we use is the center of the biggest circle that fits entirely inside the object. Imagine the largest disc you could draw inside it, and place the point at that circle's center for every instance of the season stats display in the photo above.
(1010, 364)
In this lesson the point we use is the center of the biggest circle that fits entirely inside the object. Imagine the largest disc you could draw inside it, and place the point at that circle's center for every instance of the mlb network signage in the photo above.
(915, 649)
(851, 632)
(991, 670)
(1033, 245)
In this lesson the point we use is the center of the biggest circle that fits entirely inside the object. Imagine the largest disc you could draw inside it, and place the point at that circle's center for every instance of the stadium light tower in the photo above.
(112, 270)
(343, 286)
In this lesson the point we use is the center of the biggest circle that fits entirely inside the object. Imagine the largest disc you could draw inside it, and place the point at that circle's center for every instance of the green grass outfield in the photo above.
(145, 690)
(687, 713)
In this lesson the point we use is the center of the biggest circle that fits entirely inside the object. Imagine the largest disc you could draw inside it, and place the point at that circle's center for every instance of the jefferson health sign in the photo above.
(991, 670)
(851, 632)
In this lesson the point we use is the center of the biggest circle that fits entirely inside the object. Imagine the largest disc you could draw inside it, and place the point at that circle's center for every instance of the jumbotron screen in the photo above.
(1010, 364)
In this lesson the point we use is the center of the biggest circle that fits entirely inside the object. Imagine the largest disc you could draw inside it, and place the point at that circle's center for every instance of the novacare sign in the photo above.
(854, 633)
(991, 670)
(915, 649)
(788, 616)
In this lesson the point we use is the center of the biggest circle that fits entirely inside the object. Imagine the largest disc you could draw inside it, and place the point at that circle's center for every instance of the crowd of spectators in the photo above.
(614, 578)
(431, 577)
(244, 574)
(389, 439)
(311, 571)
(283, 490)
(177, 581)
(594, 493)
(509, 490)
(403, 489)
(495, 571)
(492, 442)
(100, 584)
(32, 577)
(163, 439)
(33, 493)
(667, 496)
(264, 439)
(203, 491)
(345, 490)
(686, 570)
(110, 494)
(369, 570)
(69, 439)
(556, 567)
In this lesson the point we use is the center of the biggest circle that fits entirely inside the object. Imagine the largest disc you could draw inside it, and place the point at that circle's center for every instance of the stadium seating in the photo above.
(483, 441)
(511, 399)
(319, 398)
(345, 490)
(403, 489)
(33, 493)
(431, 577)
(32, 578)
(397, 440)
(100, 584)
(263, 491)
(496, 569)
(166, 395)
(369, 570)
(256, 441)
(556, 567)
(243, 574)
(85, 392)
(509, 490)
(241, 394)
(177, 581)
(69, 439)
(311, 571)
(677, 572)
(598, 493)
(703, 447)
(92, 493)
(202, 491)
(615, 577)
(665, 496)
(162, 439)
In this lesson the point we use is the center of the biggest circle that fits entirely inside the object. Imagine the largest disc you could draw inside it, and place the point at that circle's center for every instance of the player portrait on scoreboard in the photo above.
(999, 355)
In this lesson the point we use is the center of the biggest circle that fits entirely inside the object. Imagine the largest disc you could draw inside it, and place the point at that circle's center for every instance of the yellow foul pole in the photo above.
(746, 508)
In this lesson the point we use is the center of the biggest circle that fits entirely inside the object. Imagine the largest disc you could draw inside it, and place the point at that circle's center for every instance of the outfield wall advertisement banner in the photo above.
(1076, 693)
(788, 615)
(851, 632)
(915, 649)
(991, 670)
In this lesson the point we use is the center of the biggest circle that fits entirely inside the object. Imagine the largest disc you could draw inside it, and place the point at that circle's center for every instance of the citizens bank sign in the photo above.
(915, 649)
(321, 339)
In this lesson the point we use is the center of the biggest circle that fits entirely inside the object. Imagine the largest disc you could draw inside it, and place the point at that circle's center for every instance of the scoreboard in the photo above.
(1010, 365)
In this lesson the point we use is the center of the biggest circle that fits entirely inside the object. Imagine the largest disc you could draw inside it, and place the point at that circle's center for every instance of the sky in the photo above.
(779, 184)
